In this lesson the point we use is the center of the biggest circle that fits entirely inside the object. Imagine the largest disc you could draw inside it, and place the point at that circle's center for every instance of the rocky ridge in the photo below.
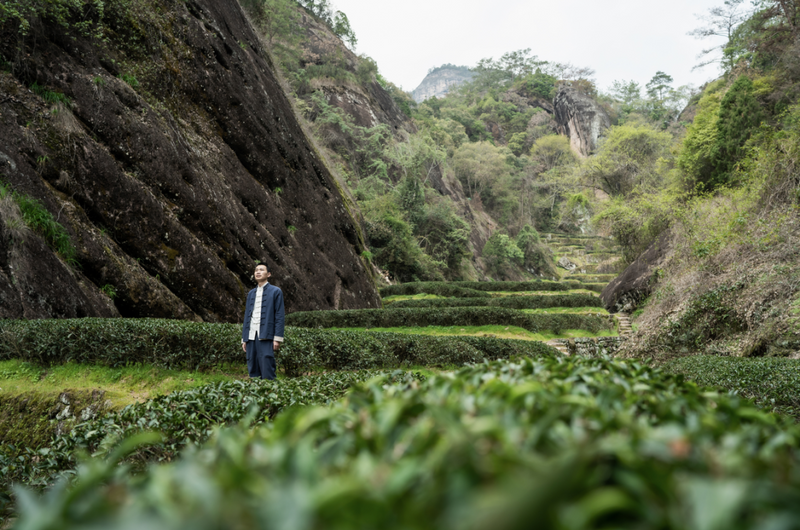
(440, 81)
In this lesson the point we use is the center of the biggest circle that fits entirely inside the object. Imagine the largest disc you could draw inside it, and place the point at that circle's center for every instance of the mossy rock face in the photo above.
(167, 185)
(32, 419)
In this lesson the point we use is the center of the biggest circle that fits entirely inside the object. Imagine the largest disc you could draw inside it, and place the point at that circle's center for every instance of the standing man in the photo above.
(262, 332)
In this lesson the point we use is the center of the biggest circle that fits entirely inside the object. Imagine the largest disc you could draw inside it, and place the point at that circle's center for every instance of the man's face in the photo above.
(261, 273)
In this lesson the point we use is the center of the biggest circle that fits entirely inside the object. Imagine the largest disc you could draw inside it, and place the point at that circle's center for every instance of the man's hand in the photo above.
(244, 347)
(276, 345)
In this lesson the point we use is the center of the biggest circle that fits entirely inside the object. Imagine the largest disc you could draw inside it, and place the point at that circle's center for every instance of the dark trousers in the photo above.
(260, 358)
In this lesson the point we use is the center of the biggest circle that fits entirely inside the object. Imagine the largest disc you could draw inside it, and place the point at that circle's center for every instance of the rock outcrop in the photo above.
(366, 101)
(580, 118)
(636, 282)
(174, 161)
(440, 81)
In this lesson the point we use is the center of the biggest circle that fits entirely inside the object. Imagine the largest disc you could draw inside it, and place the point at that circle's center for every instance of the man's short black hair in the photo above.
(259, 265)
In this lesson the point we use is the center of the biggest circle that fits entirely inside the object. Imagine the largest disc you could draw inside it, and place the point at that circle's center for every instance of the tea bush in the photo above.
(197, 346)
(568, 443)
(180, 418)
(437, 288)
(772, 382)
(310, 349)
(448, 316)
(511, 302)
(444, 288)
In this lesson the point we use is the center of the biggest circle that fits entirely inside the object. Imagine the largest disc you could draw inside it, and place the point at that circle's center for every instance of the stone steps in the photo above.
(625, 327)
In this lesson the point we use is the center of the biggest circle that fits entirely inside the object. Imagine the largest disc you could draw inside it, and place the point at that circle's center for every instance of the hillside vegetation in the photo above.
(724, 203)
(460, 187)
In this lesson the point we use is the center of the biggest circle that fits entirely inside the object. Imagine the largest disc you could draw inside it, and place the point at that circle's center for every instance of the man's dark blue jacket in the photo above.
(272, 313)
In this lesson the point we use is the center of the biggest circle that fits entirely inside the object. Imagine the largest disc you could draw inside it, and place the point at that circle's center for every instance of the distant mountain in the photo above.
(440, 80)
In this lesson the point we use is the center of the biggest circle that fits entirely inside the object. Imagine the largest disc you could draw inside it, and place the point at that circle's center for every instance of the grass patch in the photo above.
(541, 293)
(123, 386)
(500, 332)
(559, 310)
(403, 297)
(773, 383)
(36, 216)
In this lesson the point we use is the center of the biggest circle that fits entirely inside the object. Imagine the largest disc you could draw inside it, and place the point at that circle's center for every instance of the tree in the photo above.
(552, 151)
(659, 86)
(277, 18)
(739, 115)
(664, 103)
(500, 252)
(341, 27)
(721, 22)
(627, 160)
(478, 165)
(627, 92)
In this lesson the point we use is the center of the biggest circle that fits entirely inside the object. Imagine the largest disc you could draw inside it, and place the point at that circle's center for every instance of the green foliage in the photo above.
(468, 289)
(130, 79)
(500, 252)
(341, 27)
(479, 166)
(109, 290)
(435, 288)
(710, 315)
(628, 160)
(696, 155)
(739, 117)
(770, 382)
(49, 96)
(511, 302)
(444, 236)
(393, 245)
(552, 151)
(277, 19)
(84, 16)
(119, 342)
(181, 418)
(573, 443)
(447, 316)
(636, 224)
(538, 84)
(36, 216)
(200, 346)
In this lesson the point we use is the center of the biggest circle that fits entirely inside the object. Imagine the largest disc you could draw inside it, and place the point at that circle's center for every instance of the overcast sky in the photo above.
(619, 39)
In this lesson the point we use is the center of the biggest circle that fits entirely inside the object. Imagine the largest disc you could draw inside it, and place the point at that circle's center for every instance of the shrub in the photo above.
(39, 219)
(199, 346)
(181, 418)
(769, 381)
(512, 302)
(572, 443)
(447, 316)
(351, 350)
(435, 288)
(475, 289)
(501, 252)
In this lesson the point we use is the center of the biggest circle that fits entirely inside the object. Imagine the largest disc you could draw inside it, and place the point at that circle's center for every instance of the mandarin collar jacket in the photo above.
(272, 313)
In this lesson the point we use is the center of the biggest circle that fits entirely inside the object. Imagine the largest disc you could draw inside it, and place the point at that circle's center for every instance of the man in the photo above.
(262, 332)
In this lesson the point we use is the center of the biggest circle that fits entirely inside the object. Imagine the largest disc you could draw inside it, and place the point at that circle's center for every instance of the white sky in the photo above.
(619, 39)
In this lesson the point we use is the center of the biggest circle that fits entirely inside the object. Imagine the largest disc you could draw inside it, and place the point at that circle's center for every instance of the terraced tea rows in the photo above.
(565, 312)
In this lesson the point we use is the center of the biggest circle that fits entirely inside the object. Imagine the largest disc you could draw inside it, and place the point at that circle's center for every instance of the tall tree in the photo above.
(721, 22)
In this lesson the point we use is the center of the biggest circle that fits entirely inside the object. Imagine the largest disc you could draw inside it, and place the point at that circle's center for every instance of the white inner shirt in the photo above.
(255, 320)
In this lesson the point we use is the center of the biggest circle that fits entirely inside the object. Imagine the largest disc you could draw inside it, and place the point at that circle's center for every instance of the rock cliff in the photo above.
(439, 82)
(366, 101)
(580, 118)
(172, 158)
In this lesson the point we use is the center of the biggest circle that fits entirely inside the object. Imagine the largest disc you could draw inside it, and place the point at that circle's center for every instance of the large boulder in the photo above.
(174, 163)
(629, 289)
(580, 118)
